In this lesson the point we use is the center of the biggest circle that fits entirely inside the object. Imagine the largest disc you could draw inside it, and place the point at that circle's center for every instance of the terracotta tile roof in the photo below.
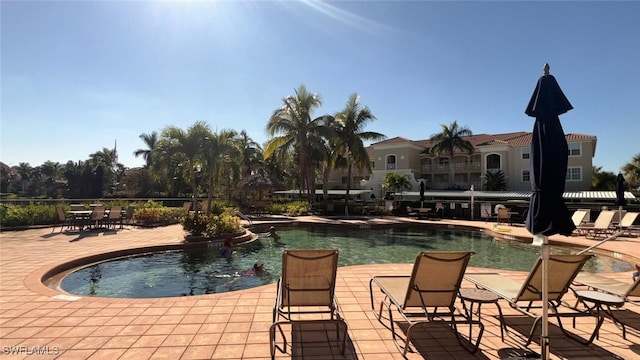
(520, 138)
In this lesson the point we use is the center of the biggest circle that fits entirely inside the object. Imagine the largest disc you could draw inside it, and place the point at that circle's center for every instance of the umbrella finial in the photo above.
(546, 69)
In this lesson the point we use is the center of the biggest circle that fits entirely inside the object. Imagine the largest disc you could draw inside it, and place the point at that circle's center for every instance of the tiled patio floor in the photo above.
(40, 323)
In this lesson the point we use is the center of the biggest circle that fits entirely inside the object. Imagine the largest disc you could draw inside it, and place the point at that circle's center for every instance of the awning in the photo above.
(513, 195)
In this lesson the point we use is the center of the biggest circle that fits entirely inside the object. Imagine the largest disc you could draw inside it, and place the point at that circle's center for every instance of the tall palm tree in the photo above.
(150, 140)
(105, 164)
(448, 141)
(251, 153)
(292, 128)
(221, 161)
(351, 135)
(186, 149)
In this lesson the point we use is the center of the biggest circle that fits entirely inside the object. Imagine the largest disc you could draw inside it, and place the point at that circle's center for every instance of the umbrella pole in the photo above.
(542, 240)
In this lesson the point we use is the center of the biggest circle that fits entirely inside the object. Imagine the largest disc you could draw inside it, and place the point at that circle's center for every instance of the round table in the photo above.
(599, 303)
(480, 296)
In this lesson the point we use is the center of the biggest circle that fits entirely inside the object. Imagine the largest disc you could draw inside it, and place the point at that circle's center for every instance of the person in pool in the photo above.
(257, 269)
(227, 250)
(272, 233)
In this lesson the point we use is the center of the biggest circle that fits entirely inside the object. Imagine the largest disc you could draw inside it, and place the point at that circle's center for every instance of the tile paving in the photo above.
(37, 322)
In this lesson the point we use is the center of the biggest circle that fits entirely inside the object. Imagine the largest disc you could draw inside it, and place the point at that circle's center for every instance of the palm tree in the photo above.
(184, 149)
(448, 141)
(222, 155)
(631, 172)
(350, 134)
(150, 140)
(495, 181)
(396, 182)
(251, 153)
(292, 128)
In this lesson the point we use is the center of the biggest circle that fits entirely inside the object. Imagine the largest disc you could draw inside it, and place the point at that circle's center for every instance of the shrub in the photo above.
(154, 216)
(24, 215)
(293, 208)
(212, 226)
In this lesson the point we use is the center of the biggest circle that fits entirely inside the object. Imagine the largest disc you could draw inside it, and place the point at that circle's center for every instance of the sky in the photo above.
(77, 77)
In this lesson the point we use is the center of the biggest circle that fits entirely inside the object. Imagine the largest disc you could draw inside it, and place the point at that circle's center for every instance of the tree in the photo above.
(396, 182)
(350, 134)
(631, 173)
(495, 181)
(105, 165)
(222, 161)
(183, 150)
(603, 180)
(150, 140)
(448, 141)
(292, 128)
(251, 153)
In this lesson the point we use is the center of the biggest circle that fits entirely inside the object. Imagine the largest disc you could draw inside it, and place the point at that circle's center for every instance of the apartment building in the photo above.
(507, 152)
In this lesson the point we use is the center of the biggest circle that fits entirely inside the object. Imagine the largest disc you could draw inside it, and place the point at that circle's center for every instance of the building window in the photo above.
(391, 162)
(574, 174)
(526, 176)
(526, 153)
(443, 161)
(575, 149)
(493, 162)
(373, 164)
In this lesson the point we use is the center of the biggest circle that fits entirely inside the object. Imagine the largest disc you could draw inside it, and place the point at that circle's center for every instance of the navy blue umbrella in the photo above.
(620, 200)
(548, 214)
(421, 192)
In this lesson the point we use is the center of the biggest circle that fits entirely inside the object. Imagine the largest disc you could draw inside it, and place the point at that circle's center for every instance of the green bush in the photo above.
(212, 226)
(156, 216)
(292, 208)
(25, 215)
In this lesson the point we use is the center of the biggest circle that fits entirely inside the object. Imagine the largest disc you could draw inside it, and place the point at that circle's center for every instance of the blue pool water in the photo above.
(201, 271)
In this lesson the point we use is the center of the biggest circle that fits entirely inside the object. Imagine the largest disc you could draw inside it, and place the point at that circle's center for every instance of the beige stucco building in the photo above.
(506, 152)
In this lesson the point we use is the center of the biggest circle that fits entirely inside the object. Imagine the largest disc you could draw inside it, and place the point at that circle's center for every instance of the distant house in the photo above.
(507, 152)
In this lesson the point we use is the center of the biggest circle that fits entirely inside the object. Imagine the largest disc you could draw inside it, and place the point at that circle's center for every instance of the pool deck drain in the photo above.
(41, 323)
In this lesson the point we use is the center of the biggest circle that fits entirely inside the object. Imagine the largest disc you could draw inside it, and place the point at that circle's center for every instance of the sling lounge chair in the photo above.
(579, 219)
(611, 286)
(602, 225)
(522, 295)
(627, 224)
(434, 283)
(306, 293)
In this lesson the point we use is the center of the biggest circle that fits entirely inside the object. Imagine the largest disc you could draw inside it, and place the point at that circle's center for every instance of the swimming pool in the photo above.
(203, 271)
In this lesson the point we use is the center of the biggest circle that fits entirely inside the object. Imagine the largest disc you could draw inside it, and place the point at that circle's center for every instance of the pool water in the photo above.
(202, 271)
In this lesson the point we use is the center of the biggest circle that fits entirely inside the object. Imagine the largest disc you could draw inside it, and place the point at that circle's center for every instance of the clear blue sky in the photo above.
(77, 76)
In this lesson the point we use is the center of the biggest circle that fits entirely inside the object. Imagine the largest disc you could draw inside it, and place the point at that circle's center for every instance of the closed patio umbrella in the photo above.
(421, 193)
(620, 200)
(548, 214)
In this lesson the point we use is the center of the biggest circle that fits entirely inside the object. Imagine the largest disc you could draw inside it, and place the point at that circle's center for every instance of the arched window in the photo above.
(391, 162)
(493, 162)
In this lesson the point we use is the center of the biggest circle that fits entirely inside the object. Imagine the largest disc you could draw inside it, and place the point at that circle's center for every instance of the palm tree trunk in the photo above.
(346, 196)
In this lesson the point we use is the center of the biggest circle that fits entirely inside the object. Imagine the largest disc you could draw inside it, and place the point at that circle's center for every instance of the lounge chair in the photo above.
(580, 218)
(611, 286)
(306, 293)
(522, 295)
(434, 284)
(186, 206)
(602, 225)
(627, 224)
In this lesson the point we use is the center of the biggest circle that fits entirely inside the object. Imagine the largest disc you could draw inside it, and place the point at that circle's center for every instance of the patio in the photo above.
(37, 320)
